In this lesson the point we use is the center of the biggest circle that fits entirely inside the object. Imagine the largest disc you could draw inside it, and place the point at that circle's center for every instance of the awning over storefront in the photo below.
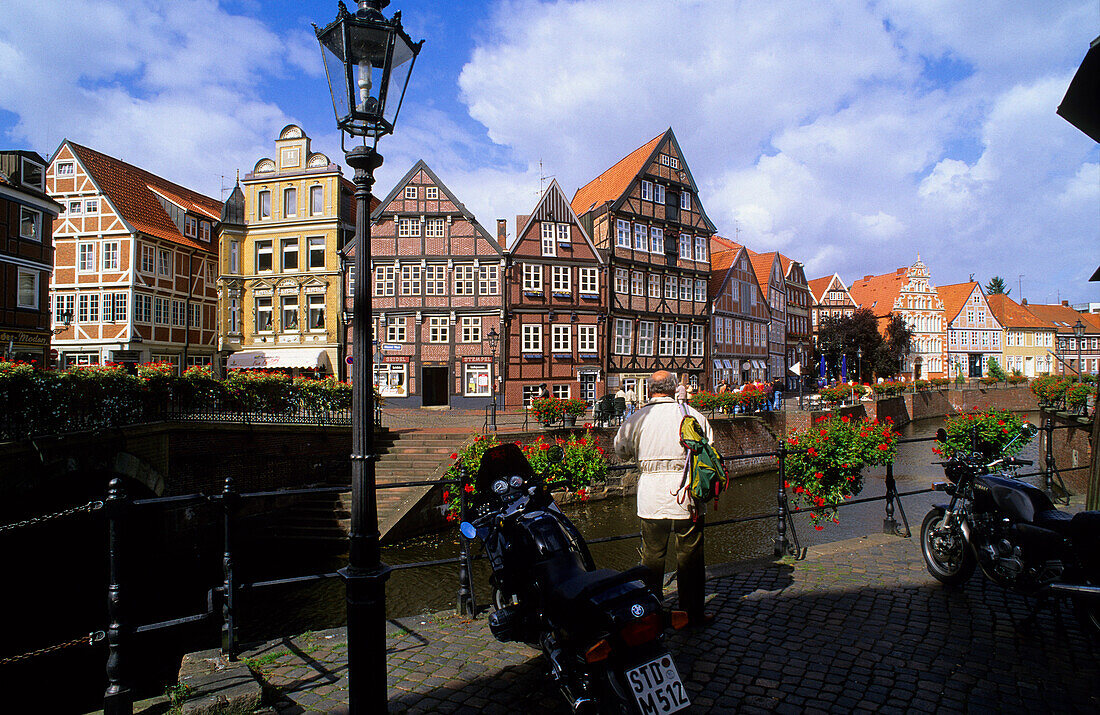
(308, 358)
(759, 364)
(717, 364)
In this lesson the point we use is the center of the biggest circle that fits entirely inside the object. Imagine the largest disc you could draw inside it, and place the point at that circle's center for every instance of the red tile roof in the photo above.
(762, 267)
(614, 182)
(1063, 317)
(954, 297)
(878, 293)
(131, 191)
(723, 252)
(1011, 314)
(818, 286)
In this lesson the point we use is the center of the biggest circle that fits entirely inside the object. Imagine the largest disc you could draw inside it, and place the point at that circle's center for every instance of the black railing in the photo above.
(222, 602)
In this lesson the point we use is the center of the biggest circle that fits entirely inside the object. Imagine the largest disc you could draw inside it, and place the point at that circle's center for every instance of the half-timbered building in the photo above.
(1027, 339)
(436, 291)
(739, 317)
(973, 331)
(769, 274)
(556, 305)
(645, 213)
(1068, 347)
(26, 257)
(135, 261)
(798, 332)
(831, 299)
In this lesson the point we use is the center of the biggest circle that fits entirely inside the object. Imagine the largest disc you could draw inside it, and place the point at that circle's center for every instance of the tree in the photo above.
(895, 347)
(994, 369)
(996, 285)
(850, 337)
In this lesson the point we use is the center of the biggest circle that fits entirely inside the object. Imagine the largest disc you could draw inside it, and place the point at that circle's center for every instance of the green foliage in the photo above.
(1077, 394)
(996, 285)
(995, 429)
(889, 388)
(826, 461)
(547, 409)
(839, 393)
(994, 369)
(850, 336)
(1050, 389)
(750, 398)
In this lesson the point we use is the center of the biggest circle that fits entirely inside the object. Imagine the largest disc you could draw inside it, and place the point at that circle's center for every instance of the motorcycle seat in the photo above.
(1085, 528)
(589, 583)
(1058, 521)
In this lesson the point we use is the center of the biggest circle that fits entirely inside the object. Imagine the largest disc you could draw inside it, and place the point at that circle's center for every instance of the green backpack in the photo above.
(705, 477)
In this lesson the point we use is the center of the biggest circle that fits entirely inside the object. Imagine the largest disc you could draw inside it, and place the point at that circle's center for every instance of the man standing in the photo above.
(651, 436)
(631, 400)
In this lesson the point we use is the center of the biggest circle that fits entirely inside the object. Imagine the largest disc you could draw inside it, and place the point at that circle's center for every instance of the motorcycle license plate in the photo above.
(656, 686)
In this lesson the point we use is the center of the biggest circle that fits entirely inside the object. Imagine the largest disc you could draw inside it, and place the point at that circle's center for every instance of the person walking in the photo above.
(651, 437)
(681, 389)
(631, 400)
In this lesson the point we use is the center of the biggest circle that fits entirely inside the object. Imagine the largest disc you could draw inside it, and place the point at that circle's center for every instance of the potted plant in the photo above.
(995, 427)
(571, 410)
(547, 410)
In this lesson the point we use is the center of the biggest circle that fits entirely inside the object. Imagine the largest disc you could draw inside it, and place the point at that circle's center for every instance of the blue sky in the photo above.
(849, 135)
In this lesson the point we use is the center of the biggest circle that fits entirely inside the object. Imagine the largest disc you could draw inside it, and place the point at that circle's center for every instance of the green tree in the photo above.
(994, 369)
(899, 337)
(996, 285)
(852, 337)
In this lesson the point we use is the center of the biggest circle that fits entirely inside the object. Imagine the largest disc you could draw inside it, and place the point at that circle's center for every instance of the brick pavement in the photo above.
(859, 626)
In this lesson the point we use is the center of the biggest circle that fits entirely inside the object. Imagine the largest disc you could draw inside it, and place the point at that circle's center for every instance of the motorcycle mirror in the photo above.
(941, 435)
(1028, 430)
(556, 454)
(467, 530)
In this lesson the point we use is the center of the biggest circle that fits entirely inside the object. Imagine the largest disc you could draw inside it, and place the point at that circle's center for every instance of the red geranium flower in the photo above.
(883, 447)
(812, 452)
(818, 475)
(469, 488)
(819, 527)
(454, 455)
(844, 418)
(446, 496)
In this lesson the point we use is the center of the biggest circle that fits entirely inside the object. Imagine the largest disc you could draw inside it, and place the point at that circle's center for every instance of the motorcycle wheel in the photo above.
(946, 554)
(1088, 613)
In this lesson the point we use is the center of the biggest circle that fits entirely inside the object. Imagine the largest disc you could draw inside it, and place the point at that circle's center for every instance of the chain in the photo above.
(89, 507)
(90, 639)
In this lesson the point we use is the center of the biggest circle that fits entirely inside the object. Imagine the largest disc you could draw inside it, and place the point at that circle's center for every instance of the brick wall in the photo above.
(1071, 449)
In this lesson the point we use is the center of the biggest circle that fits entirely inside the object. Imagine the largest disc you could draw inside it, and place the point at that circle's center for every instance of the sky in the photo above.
(850, 136)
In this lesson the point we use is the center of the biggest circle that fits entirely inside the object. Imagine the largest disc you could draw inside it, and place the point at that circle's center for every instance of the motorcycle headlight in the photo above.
(500, 486)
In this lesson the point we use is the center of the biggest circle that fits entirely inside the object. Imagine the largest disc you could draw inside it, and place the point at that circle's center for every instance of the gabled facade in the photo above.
(1062, 318)
(973, 331)
(645, 214)
(556, 293)
(1026, 339)
(799, 332)
(281, 283)
(739, 317)
(436, 288)
(26, 257)
(909, 293)
(769, 274)
(831, 299)
(135, 261)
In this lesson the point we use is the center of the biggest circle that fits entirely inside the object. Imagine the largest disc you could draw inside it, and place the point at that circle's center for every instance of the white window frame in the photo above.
(385, 281)
(263, 205)
(108, 256)
(532, 277)
(477, 379)
(561, 339)
(21, 300)
(700, 290)
(149, 258)
(434, 228)
(685, 200)
(681, 340)
(316, 200)
(391, 379)
(290, 317)
(290, 202)
(622, 281)
(396, 330)
(622, 233)
(439, 329)
(647, 190)
(685, 288)
(665, 339)
(658, 194)
(435, 279)
(700, 249)
(265, 248)
(411, 193)
(471, 330)
(315, 308)
(288, 251)
(589, 281)
(587, 340)
(64, 302)
(161, 311)
(532, 338)
(408, 227)
(465, 280)
(164, 262)
(698, 341)
(565, 235)
(190, 226)
(654, 285)
(685, 246)
(65, 168)
(656, 239)
(488, 278)
(645, 337)
(143, 308)
(623, 336)
(637, 283)
(76, 207)
(179, 320)
(546, 236)
(410, 279)
(641, 237)
(35, 224)
(431, 193)
(671, 287)
(85, 257)
(316, 247)
(561, 279)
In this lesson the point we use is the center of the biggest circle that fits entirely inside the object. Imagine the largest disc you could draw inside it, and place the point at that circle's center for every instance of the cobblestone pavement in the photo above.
(859, 626)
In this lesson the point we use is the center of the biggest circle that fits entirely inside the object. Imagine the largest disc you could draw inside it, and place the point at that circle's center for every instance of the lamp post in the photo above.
(859, 364)
(801, 377)
(368, 61)
(1079, 333)
(494, 339)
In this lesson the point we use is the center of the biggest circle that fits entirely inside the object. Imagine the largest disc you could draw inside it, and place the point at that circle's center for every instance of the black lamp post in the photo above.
(368, 61)
(859, 364)
(801, 371)
(1079, 333)
(494, 338)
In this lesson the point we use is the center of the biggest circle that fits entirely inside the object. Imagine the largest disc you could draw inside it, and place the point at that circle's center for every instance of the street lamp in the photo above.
(1079, 333)
(66, 318)
(801, 377)
(859, 364)
(494, 338)
(368, 61)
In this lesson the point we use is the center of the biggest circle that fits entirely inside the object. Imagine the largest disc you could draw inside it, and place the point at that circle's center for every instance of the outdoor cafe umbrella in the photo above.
(843, 367)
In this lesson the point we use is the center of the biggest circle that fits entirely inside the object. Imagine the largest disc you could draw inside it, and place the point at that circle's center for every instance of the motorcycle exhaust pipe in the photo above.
(1075, 589)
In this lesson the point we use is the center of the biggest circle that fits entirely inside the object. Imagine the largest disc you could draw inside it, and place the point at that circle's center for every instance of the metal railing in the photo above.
(223, 605)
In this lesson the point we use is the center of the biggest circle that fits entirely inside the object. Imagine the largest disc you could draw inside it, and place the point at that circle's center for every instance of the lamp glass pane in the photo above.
(332, 54)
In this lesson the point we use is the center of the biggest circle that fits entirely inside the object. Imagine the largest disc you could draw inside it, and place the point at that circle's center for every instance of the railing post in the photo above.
(229, 583)
(1048, 430)
(782, 545)
(890, 524)
(467, 606)
(117, 697)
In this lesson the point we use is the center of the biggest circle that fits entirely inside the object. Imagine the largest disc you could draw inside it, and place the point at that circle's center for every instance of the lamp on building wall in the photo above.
(1079, 333)
(66, 318)
(494, 340)
(368, 61)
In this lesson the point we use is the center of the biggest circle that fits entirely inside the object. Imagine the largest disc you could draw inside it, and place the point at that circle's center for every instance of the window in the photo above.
(290, 202)
(685, 288)
(700, 291)
(685, 246)
(637, 283)
(622, 233)
(476, 379)
(435, 280)
(697, 342)
(109, 256)
(30, 224)
(439, 330)
(75, 207)
(488, 280)
(160, 310)
(177, 313)
(641, 237)
(665, 343)
(434, 228)
(586, 339)
(148, 258)
(621, 286)
(658, 194)
(560, 391)
(645, 337)
(395, 331)
(561, 281)
(471, 330)
(561, 339)
(408, 227)
(263, 315)
(410, 280)
(431, 193)
(27, 288)
(410, 193)
(33, 174)
(85, 257)
(589, 281)
(532, 278)
(564, 233)
(391, 379)
(654, 285)
(114, 307)
(190, 227)
(647, 190)
(164, 261)
(264, 257)
(63, 304)
(700, 248)
(623, 336)
(288, 312)
(532, 339)
(316, 252)
(316, 200)
(263, 199)
(670, 287)
(681, 340)
(465, 276)
(290, 254)
(88, 308)
(384, 279)
(65, 168)
(685, 200)
(316, 306)
(656, 240)
(530, 392)
(143, 308)
(194, 315)
(546, 233)
(234, 315)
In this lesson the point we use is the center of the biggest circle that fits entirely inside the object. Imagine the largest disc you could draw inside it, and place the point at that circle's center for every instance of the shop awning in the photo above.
(717, 364)
(309, 358)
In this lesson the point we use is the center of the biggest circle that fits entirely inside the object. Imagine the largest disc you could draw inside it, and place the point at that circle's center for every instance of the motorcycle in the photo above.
(600, 630)
(1012, 531)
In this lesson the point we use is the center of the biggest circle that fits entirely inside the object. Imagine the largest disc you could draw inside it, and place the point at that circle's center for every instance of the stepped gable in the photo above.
(133, 192)
(614, 182)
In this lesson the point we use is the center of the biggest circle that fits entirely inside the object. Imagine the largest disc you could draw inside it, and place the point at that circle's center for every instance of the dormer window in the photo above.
(204, 230)
(190, 226)
(34, 174)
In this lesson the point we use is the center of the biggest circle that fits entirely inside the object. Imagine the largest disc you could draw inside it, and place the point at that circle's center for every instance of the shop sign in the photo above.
(395, 358)
(26, 338)
(391, 346)
(475, 358)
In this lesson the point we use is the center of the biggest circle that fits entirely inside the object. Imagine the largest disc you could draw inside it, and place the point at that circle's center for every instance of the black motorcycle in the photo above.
(600, 630)
(1013, 531)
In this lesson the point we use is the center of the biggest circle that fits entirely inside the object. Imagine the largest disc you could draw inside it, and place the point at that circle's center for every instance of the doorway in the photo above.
(974, 363)
(434, 381)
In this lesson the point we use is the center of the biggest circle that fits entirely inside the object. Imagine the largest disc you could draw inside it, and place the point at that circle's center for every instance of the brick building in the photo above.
(799, 333)
(136, 262)
(739, 317)
(769, 275)
(1062, 317)
(831, 299)
(973, 331)
(26, 258)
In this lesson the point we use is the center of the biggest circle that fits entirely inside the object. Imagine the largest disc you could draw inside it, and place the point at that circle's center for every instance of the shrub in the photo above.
(574, 407)
(940, 381)
(1077, 394)
(889, 388)
(1016, 379)
(994, 428)
(547, 409)
(994, 369)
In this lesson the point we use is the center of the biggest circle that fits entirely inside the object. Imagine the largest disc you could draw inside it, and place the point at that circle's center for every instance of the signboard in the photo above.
(395, 358)
(391, 346)
(28, 338)
(349, 359)
(474, 358)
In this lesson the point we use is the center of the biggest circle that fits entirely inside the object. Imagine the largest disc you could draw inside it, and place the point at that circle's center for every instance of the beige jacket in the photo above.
(651, 436)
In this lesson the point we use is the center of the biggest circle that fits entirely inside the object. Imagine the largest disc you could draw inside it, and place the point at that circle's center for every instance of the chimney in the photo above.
(1065, 303)
(502, 232)
(1023, 301)
(867, 277)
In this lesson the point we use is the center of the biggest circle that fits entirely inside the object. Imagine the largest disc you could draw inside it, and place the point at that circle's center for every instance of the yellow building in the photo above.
(1027, 339)
(281, 284)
